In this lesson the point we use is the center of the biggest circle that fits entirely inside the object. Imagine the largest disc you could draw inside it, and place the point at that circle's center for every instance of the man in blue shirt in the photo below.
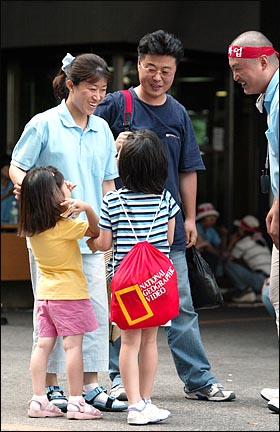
(159, 53)
(255, 65)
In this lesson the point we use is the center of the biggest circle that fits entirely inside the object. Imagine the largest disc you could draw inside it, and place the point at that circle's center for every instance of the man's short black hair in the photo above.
(161, 43)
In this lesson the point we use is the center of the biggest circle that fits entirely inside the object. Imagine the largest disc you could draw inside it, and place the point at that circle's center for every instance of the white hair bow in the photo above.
(66, 62)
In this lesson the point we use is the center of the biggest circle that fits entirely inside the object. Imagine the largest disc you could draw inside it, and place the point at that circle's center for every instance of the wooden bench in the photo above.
(14, 255)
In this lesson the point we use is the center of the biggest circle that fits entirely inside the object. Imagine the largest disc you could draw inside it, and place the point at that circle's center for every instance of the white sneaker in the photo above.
(273, 404)
(215, 393)
(270, 393)
(161, 413)
(150, 414)
(118, 392)
(247, 297)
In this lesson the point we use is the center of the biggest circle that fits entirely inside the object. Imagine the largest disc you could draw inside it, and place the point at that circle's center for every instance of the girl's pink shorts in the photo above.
(65, 317)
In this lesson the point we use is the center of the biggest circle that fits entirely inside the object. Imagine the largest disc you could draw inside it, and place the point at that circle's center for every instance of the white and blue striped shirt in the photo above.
(141, 209)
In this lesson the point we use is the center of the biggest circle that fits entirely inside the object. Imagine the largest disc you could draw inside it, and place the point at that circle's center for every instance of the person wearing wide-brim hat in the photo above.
(248, 223)
(210, 242)
(206, 209)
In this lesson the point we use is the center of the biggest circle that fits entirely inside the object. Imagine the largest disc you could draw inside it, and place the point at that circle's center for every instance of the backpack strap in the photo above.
(127, 109)
(151, 227)
(129, 221)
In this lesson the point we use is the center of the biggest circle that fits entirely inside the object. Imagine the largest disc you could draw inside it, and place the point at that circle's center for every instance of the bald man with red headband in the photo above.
(255, 66)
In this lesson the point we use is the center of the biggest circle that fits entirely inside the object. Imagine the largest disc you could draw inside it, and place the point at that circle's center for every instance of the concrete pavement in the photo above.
(241, 344)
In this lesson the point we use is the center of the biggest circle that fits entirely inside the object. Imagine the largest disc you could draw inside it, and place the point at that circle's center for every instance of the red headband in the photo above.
(248, 227)
(205, 209)
(250, 52)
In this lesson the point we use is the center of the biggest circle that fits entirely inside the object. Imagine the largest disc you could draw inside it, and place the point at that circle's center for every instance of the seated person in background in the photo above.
(265, 298)
(248, 260)
(211, 240)
(7, 186)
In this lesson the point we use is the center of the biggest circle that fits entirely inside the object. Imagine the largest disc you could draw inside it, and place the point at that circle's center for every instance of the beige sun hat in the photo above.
(206, 209)
(249, 223)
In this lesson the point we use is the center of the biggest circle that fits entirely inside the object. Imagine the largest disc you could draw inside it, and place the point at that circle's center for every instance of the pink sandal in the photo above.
(85, 411)
(43, 409)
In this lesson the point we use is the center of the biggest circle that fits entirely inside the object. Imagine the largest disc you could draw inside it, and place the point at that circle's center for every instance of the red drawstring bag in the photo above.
(144, 288)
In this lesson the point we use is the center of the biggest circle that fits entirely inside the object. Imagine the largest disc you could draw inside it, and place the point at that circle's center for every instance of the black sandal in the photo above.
(112, 404)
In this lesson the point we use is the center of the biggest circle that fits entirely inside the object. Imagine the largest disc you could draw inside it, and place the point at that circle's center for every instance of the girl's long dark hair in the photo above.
(40, 200)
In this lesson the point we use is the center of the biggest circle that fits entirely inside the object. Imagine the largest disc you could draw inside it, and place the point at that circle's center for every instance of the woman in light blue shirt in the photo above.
(80, 145)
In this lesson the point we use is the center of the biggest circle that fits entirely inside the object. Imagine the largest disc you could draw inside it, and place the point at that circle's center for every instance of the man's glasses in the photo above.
(152, 70)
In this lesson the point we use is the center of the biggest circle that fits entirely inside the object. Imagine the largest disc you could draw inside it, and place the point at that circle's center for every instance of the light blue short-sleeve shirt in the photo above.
(271, 103)
(85, 157)
(210, 234)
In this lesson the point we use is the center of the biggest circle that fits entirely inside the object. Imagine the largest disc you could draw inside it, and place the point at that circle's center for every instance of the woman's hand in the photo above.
(17, 191)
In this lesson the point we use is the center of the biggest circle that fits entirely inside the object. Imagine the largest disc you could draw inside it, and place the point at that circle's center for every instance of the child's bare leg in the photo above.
(128, 361)
(74, 363)
(38, 364)
(148, 361)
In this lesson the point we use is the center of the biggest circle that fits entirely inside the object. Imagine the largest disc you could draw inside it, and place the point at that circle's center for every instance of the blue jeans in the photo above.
(183, 338)
(266, 301)
(242, 277)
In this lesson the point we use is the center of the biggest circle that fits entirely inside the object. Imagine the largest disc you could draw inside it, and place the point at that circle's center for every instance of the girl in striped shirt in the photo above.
(143, 169)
